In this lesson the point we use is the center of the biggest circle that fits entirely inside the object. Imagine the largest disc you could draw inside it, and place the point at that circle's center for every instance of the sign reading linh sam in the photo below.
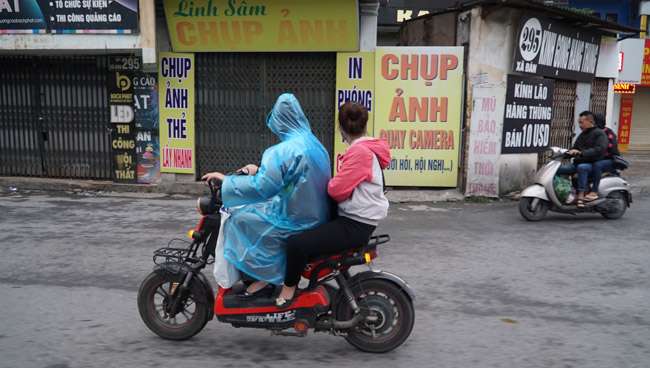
(262, 25)
(528, 114)
(555, 50)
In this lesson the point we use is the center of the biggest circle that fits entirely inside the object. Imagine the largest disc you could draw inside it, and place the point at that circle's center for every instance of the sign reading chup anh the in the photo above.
(176, 107)
(262, 25)
(552, 49)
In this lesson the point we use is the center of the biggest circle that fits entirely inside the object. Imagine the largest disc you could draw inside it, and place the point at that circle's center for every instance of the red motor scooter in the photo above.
(373, 310)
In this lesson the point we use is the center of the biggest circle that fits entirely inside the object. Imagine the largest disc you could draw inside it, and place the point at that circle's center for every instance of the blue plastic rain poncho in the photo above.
(293, 177)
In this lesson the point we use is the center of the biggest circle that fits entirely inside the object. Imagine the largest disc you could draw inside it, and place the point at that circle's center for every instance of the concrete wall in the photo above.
(491, 50)
(490, 42)
(437, 31)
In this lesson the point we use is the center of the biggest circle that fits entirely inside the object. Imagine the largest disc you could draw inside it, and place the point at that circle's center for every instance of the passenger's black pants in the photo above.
(330, 238)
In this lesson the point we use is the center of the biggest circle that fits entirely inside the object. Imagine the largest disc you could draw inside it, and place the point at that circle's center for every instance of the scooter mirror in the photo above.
(203, 205)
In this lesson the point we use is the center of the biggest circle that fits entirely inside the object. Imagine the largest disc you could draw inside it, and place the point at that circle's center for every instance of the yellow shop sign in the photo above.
(262, 25)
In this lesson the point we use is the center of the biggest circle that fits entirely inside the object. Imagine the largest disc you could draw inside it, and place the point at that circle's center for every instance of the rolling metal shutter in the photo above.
(564, 98)
(54, 117)
(236, 91)
(640, 128)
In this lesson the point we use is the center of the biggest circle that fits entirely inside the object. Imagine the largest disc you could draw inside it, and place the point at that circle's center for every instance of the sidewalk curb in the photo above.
(183, 189)
(638, 175)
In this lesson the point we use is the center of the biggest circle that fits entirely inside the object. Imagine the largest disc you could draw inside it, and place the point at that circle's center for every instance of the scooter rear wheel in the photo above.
(533, 209)
(154, 295)
(391, 309)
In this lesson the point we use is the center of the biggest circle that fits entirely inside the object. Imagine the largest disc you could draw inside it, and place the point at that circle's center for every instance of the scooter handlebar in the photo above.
(216, 183)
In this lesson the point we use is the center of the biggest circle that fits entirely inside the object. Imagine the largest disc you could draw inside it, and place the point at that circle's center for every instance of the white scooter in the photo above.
(614, 196)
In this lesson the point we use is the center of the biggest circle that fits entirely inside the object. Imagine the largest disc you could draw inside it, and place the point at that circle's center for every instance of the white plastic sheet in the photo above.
(225, 272)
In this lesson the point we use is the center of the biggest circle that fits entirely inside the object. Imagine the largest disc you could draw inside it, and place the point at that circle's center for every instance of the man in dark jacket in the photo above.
(590, 147)
(607, 164)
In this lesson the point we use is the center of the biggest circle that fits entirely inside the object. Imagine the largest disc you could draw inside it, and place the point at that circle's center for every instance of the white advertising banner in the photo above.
(485, 141)
(631, 60)
(608, 58)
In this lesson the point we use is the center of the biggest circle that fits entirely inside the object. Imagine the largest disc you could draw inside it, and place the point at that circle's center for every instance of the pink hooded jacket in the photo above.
(358, 185)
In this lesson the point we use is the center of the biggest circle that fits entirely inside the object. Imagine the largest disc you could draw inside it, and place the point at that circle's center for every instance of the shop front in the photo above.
(530, 70)
(243, 57)
(639, 128)
(60, 65)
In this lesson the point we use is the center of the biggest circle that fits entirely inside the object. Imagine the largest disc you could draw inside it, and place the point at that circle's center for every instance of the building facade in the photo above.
(64, 113)
(524, 87)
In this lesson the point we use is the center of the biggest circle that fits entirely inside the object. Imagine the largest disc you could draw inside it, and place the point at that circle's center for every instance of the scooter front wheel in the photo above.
(617, 205)
(155, 297)
(389, 311)
(532, 208)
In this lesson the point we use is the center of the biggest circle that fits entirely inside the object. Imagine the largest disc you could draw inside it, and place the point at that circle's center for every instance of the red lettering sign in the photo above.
(645, 71)
(626, 119)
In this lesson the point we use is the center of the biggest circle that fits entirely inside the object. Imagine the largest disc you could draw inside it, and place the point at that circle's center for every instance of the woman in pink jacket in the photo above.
(359, 190)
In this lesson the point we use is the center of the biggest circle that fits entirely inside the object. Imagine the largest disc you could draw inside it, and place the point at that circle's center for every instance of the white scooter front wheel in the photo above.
(533, 208)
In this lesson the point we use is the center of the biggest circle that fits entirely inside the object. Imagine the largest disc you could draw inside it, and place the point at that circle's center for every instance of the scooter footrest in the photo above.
(232, 301)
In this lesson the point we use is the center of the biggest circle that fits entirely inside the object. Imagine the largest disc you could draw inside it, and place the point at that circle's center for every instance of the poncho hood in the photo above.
(287, 118)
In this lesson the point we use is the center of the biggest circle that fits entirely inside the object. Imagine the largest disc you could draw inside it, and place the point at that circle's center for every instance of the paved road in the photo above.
(493, 290)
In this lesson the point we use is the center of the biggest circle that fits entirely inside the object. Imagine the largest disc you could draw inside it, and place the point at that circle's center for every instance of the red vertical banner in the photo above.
(626, 119)
(645, 71)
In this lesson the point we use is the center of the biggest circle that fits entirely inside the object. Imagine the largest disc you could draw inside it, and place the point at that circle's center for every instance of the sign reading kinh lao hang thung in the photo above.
(176, 105)
(528, 114)
(262, 25)
(552, 49)
(418, 110)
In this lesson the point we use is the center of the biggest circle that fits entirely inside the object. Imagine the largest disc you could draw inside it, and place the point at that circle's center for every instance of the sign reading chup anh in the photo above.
(552, 49)
(262, 25)
(418, 111)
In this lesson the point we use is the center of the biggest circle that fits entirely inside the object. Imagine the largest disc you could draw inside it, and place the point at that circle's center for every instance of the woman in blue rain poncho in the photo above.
(284, 196)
